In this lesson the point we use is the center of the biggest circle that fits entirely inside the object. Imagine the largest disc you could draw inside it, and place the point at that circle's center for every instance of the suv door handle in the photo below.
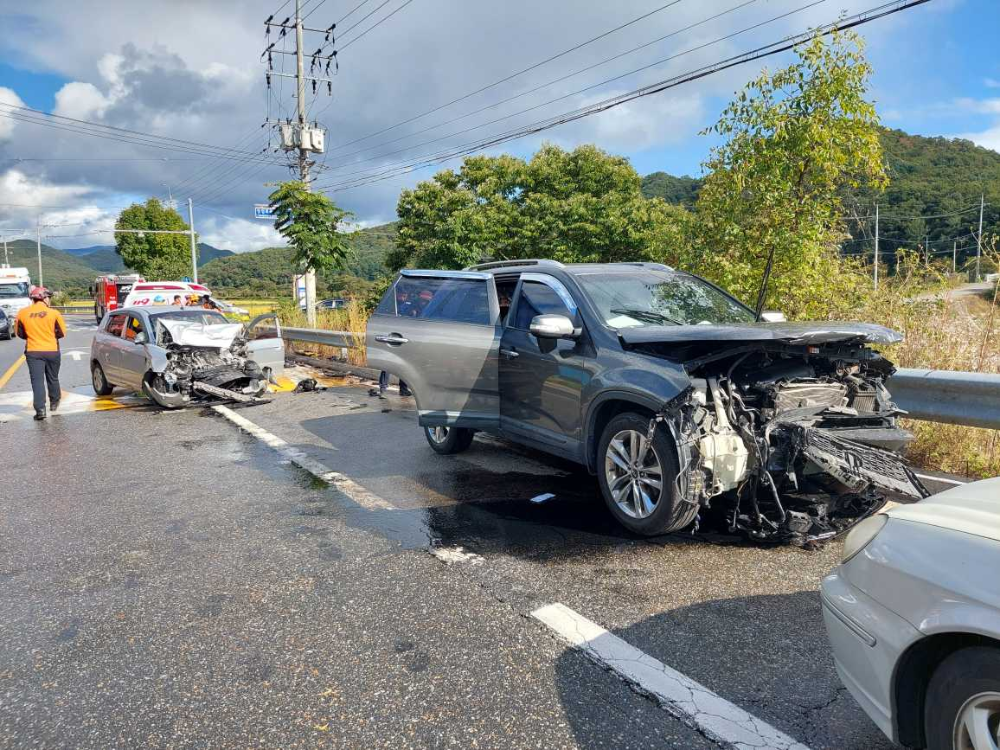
(508, 352)
(393, 339)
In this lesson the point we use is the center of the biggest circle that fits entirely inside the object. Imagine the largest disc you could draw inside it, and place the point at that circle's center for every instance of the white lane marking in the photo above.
(348, 486)
(691, 702)
(74, 354)
(940, 479)
(449, 555)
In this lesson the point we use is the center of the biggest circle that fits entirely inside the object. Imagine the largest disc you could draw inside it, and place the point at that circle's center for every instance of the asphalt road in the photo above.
(169, 581)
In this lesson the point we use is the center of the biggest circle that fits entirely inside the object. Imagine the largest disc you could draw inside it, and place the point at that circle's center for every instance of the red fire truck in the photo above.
(109, 292)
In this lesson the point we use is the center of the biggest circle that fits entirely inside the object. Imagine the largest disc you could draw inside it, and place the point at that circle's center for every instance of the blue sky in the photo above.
(164, 72)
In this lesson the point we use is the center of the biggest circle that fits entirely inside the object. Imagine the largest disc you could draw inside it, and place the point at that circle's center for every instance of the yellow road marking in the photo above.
(11, 370)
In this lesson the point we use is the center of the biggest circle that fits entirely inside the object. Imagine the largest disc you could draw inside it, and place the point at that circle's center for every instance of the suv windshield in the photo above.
(646, 298)
(14, 290)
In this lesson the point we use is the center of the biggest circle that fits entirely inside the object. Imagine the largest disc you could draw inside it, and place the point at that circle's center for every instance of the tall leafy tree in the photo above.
(793, 141)
(574, 206)
(155, 256)
(310, 222)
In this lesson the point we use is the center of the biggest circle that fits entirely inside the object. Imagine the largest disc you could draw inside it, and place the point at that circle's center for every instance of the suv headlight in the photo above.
(862, 534)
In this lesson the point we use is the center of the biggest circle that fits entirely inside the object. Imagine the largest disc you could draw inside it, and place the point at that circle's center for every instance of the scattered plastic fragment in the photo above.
(542, 498)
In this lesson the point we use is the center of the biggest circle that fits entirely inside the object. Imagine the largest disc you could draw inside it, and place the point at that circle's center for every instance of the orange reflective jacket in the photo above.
(41, 327)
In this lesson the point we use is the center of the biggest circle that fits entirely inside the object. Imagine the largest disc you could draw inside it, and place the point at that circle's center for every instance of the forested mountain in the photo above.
(681, 191)
(62, 271)
(105, 259)
(269, 272)
(929, 177)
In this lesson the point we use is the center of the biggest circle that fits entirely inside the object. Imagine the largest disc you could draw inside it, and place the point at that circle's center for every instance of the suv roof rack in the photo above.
(645, 264)
(506, 263)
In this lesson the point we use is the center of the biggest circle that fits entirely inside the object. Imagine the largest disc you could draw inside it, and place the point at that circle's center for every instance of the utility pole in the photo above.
(927, 249)
(194, 243)
(300, 79)
(979, 237)
(954, 257)
(6, 260)
(301, 137)
(38, 247)
(876, 248)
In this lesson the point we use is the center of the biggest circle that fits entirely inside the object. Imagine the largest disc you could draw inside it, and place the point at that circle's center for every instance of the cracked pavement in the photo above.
(174, 582)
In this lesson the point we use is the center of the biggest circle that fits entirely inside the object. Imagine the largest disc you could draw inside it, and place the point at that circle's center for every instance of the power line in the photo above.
(553, 82)
(609, 103)
(920, 216)
(377, 23)
(507, 78)
(121, 135)
(768, 50)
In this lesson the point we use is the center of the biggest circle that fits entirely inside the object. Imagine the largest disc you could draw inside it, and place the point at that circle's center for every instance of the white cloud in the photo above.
(7, 96)
(82, 101)
(991, 83)
(238, 235)
(989, 138)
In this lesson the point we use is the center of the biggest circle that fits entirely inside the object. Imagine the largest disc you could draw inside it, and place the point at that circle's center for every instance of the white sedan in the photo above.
(913, 615)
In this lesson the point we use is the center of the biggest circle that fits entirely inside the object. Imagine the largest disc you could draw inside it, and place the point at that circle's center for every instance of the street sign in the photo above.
(263, 211)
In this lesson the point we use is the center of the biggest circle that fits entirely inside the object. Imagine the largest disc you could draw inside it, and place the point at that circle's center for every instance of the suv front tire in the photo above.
(637, 477)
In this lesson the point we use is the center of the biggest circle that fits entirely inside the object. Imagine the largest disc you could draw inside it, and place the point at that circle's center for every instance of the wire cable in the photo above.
(788, 43)
(509, 77)
(377, 23)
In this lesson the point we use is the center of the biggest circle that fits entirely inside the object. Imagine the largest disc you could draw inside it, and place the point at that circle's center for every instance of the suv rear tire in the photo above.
(629, 471)
(448, 440)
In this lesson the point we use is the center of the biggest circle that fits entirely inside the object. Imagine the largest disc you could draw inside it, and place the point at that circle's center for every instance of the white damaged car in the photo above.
(178, 356)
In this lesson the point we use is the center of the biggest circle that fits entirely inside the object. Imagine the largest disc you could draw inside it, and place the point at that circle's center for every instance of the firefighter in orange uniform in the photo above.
(41, 327)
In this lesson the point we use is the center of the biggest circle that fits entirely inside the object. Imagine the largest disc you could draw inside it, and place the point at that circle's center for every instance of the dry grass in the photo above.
(352, 319)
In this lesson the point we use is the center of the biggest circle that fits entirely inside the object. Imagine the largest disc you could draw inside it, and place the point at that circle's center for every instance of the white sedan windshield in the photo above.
(644, 298)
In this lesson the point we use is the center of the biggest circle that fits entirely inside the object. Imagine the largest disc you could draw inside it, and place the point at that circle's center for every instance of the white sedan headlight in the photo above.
(862, 534)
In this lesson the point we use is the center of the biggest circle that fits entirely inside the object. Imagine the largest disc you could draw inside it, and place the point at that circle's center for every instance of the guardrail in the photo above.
(966, 398)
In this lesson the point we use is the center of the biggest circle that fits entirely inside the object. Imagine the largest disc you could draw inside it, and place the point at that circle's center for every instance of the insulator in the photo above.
(314, 87)
(268, 77)
(329, 88)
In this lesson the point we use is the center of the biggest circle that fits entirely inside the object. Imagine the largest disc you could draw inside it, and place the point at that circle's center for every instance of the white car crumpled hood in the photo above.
(971, 508)
(214, 335)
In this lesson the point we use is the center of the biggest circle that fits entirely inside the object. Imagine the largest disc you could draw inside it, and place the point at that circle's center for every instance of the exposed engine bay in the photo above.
(205, 362)
(787, 442)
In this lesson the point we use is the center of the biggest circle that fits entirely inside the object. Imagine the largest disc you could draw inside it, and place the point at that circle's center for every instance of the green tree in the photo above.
(575, 206)
(310, 223)
(155, 256)
(794, 141)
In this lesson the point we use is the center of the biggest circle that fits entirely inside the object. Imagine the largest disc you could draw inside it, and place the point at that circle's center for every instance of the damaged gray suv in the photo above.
(667, 388)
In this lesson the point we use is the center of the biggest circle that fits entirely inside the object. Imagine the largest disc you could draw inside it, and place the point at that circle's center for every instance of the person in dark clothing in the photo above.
(41, 327)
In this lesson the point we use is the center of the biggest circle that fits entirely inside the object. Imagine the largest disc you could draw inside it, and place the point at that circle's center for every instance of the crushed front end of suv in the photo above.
(688, 409)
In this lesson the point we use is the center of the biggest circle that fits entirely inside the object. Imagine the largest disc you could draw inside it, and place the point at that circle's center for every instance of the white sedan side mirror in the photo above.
(773, 316)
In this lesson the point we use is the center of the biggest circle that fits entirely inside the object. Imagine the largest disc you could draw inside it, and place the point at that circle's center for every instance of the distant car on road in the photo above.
(659, 382)
(7, 326)
(913, 615)
(332, 304)
(177, 355)
(228, 308)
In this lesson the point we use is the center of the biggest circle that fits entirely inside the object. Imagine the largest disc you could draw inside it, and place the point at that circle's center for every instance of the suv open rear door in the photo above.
(437, 332)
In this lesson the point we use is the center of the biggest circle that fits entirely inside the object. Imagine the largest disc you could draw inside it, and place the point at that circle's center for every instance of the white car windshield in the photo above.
(19, 289)
(656, 298)
(197, 315)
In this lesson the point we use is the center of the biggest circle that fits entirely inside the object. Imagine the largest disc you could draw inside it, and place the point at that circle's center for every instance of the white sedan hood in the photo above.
(214, 335)
(971, 508)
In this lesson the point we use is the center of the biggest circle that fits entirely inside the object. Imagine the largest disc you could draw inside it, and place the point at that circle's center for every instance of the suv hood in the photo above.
(791, 333)
(972, 509)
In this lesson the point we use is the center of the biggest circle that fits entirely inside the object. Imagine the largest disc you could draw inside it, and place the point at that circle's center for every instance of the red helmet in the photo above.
(39, 293)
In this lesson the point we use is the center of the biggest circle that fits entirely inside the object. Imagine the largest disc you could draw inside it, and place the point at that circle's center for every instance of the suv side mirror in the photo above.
(773, 316)
(553, 327)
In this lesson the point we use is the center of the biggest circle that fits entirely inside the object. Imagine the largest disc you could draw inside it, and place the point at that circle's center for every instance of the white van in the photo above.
(14, 286)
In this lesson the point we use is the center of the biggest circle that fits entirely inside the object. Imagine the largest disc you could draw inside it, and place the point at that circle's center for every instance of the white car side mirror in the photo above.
(553, 327)
(773, 316)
